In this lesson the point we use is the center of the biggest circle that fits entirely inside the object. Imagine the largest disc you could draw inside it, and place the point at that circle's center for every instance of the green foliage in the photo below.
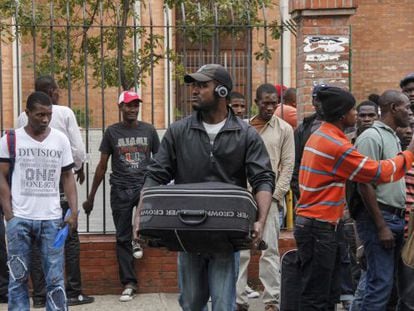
(199, 19)
(265, 53)
(81, 116)
(78, 40)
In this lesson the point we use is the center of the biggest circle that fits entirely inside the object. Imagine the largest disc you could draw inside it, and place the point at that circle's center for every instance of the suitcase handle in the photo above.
(192, 213)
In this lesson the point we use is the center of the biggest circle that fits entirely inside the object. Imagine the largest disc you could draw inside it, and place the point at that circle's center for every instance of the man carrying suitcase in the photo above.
(212, 145)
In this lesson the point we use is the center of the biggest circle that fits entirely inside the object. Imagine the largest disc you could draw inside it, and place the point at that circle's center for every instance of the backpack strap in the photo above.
(11, 145)
(352, 195)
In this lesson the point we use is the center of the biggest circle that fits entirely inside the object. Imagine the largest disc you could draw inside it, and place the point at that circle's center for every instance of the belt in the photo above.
(314, 222)
(393, 210)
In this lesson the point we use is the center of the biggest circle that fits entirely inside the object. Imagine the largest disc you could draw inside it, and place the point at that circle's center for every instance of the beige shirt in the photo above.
(278, 138)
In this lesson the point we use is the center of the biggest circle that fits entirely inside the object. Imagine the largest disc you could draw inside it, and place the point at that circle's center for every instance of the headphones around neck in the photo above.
(221, 91)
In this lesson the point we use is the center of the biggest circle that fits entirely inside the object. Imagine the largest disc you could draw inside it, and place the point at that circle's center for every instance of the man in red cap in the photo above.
(131, 144)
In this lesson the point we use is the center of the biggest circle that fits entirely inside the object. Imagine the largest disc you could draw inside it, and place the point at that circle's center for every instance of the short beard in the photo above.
(197, 108)
(204, 108)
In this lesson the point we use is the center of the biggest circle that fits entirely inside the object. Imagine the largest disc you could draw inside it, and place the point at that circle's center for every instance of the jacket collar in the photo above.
(332, 129)
(232, 122)
(309, 119)
(380, 124)
(271, 122)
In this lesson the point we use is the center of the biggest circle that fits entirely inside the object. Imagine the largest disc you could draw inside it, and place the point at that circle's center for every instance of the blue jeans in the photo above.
(203, 275)
(359, 292)
(381, 263)
(319, 258)
(21, 233)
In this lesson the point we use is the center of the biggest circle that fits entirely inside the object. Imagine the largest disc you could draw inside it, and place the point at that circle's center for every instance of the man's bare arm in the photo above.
(69, 186)
(5, 193)
(263, 200)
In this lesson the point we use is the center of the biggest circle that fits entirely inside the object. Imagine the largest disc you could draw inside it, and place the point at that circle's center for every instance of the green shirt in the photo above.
(380, 145)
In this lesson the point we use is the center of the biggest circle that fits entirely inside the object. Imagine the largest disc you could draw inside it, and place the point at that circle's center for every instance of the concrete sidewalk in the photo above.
(144, 302)
(141, 302)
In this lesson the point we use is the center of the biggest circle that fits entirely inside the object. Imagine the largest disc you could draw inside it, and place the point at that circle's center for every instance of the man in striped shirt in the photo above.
(329, 159)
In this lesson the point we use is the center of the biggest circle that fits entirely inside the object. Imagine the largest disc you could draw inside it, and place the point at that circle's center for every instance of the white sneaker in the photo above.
(127, 295)
(137, 251)
(251, 294)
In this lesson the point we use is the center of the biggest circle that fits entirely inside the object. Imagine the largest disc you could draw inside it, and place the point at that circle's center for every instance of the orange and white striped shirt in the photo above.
(329, 159)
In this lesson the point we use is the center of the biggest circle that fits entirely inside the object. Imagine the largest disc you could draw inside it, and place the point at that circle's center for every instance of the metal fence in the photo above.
(96, 49)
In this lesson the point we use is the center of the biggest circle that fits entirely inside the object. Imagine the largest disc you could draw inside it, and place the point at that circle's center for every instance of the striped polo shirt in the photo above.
(329, 159)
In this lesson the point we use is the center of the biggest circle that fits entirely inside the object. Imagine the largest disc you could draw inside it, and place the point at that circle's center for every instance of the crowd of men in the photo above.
(347, 253)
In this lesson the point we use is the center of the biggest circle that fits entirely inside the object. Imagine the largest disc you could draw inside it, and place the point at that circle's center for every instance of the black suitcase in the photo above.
(290, 282)
(199, 217)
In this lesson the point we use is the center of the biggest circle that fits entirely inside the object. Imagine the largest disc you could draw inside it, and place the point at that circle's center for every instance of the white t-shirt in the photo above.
(36, 174)
(213, 129)
(64, 120)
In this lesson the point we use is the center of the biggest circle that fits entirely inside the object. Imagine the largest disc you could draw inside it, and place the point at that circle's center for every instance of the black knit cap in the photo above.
(407, 79)
(335, 101)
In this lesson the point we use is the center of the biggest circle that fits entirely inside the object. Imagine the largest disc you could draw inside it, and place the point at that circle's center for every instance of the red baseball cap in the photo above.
(128, 96)
(280, 88)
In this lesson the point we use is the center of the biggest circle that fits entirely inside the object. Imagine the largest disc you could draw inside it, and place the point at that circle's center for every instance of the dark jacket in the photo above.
(237, 155)
(301, 135)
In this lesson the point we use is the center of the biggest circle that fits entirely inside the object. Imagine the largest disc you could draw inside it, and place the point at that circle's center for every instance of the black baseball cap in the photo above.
(211, 72)
(407, 79)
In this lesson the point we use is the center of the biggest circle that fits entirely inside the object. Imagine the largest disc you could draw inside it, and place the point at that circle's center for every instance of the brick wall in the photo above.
(7, 79)
(156, 271)
(382, 45)
(321, 4)
(323, 45)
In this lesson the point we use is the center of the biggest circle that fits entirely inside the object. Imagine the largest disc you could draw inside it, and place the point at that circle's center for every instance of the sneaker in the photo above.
(80, 300)
(137, 251)
(251, 294)
(127, 295)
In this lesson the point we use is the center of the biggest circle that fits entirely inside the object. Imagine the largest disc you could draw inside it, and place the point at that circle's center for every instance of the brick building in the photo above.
(364, 45)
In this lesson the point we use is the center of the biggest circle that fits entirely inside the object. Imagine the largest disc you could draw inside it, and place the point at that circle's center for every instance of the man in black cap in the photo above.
(212, 145)
(407, 87)
(303, 131)
(329, 160)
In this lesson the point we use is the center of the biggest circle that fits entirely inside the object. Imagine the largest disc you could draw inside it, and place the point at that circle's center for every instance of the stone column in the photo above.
(322, 46)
